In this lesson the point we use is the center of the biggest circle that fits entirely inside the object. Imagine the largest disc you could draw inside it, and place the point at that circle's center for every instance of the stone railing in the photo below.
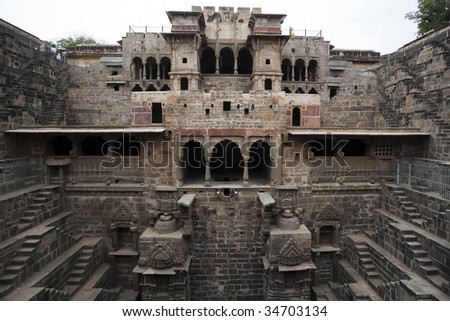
(355, 169)
(425, 175)
(21, 173)
(101, 169)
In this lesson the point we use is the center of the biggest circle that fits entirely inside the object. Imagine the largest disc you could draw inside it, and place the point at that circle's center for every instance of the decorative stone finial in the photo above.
(166, 224)
(286, 220)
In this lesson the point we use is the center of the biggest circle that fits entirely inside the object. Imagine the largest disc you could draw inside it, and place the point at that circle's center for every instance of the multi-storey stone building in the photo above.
(224, 160)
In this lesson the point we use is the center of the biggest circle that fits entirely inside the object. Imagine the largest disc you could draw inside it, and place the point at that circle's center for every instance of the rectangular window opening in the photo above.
(226, 105)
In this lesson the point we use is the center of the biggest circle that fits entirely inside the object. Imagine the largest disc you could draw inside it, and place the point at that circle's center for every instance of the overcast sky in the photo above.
(379, 25)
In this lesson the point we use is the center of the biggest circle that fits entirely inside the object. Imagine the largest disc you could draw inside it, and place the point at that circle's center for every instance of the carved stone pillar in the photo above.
(287, 264)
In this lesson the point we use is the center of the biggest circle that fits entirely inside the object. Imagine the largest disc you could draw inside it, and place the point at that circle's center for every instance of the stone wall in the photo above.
(413, 89)
(226, 248)
(33, 83)
(355, 104)
(263, 110)
(91, 102)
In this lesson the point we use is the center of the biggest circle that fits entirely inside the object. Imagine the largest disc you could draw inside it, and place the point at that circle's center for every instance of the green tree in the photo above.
(431, 14)
(72, 41)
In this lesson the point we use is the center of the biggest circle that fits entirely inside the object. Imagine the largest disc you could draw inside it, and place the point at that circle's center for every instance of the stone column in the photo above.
(245, 176)
(235, 66)
(217, 65)
(292, 72)
(207, 172)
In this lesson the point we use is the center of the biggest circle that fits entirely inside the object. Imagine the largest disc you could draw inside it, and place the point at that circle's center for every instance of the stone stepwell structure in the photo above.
(224, 160)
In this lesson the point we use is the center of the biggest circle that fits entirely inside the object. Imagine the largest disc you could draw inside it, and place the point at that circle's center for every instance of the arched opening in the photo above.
(62, 146)
(299, 70)
(245, 62)
(151, 88)
(299, 90)
(286, 69)
(296, 119)
(226, 61)
(313, 91)
(268, 84)
(94, 146)
(208, 61)
(193, 162)
(157, 115)
(151, 69)
(136, 88)
(165, 88)
(259, 162)
(164, 68)
(312, 70)
(226, 162)
(136, 68)
(287, 90)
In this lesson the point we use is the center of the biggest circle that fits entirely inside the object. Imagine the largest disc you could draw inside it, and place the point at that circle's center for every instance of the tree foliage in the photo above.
(431, 14)
(72, 41)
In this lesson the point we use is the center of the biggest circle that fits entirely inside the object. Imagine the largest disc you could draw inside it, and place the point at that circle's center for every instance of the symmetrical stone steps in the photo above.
(412, 251)
(56, 274)
(24, 259)
(39, 210)
(409, 281)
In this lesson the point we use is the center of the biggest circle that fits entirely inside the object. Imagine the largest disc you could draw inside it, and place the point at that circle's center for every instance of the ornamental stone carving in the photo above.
(328, 213)
(161, 256)
(124, 216)
(290, 253)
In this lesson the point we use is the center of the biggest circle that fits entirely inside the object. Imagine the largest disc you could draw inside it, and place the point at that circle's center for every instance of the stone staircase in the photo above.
(81, 270)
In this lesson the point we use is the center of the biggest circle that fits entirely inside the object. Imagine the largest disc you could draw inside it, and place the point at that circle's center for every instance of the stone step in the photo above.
(84, 259)
(26, 251)
(28, 219)
(414, 245)
(364, 254)
(365, 260)
(29, 212)
(40, 200)
(437, 280)
(411, 216)
(373, 274)
(81, 266)
(31, 243)
(408, 237)
(15, 268)
(77, 273)
(419, 253)
(74, 280)
(370, 267)
(429, 269)
(407, 204)
(419, 222)
(8, 278)
(70, 289)
(361, 247)
(21, 227)
(409, 209)
(20, 259)
(424, 261)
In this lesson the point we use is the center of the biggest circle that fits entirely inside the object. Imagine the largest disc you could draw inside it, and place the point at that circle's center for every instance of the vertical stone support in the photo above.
(287, 262)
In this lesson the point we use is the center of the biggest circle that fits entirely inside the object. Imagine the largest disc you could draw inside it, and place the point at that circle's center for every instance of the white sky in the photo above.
(379, 25)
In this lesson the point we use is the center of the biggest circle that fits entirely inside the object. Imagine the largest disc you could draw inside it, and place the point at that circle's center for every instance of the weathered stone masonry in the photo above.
(224, 160)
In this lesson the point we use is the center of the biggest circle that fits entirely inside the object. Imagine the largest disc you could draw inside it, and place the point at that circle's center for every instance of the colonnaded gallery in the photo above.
(224, 158)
